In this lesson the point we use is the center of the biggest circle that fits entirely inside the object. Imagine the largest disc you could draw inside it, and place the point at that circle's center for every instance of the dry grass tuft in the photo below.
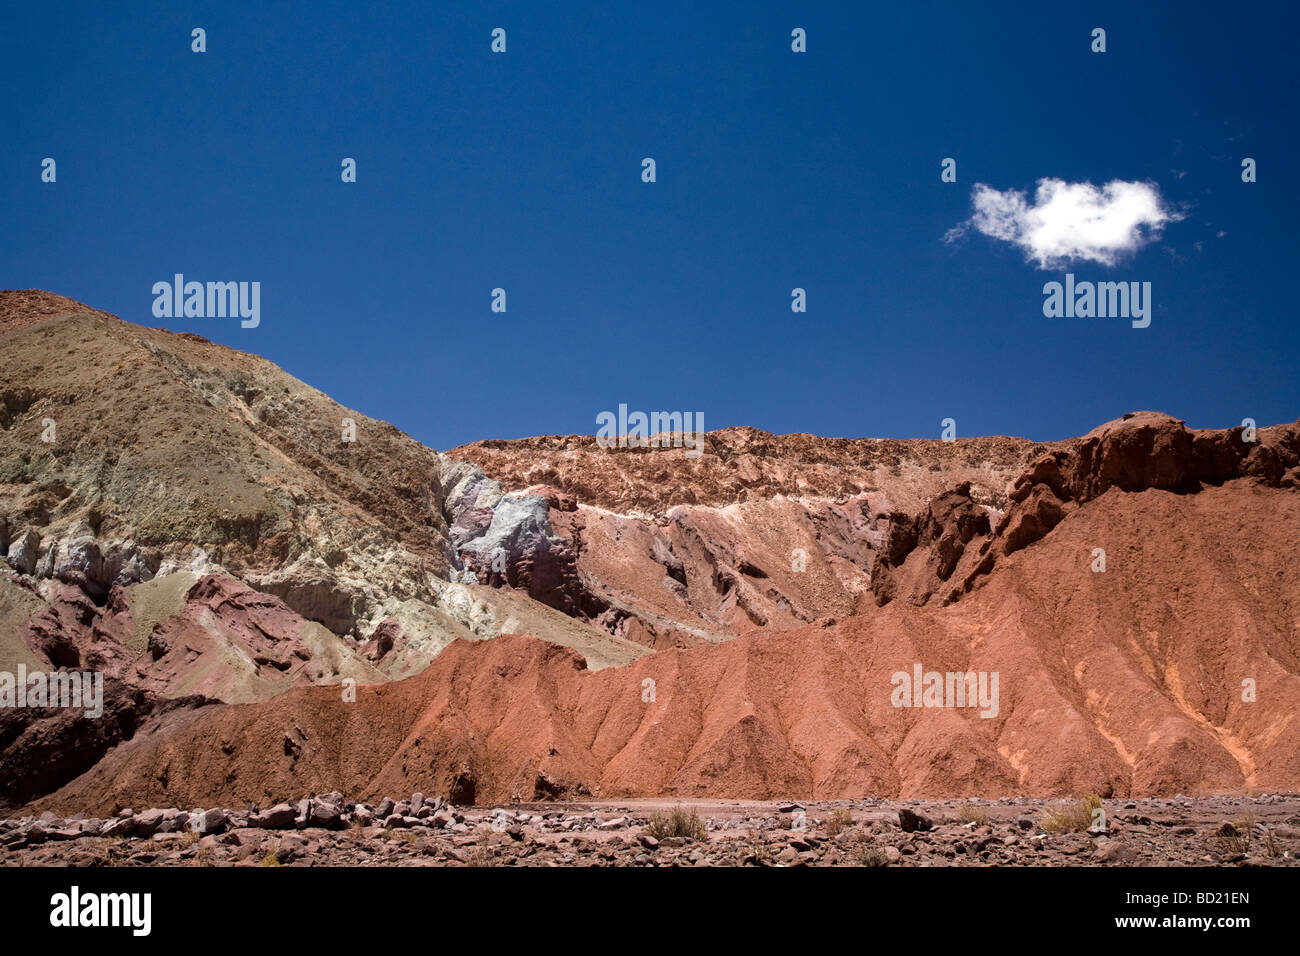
(1074, 818)
(680, 823)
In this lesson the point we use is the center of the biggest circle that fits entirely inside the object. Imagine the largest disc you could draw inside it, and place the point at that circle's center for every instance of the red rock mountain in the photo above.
(734, 625)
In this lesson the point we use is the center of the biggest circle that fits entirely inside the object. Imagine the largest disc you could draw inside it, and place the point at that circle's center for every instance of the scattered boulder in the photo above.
(213, 821)
(279, 817)
(146, 824)
(910, 821)
(326, 811)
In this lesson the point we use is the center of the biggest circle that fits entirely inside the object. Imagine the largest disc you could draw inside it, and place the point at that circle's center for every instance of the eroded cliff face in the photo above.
(956, 544)
(760, 531)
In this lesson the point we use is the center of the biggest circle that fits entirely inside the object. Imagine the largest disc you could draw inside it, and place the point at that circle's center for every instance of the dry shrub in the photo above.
(680, 823)
(1075, 817)
(839, 821)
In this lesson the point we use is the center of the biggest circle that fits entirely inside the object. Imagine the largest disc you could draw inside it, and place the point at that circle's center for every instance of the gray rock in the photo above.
(24, 553)
(148, 822)
(78, 559)
(327, 814)
(126, 564)
(1112, 851)
(279, 817)
(118, 827)
(174, 821)
(213, 821)
(516, 524)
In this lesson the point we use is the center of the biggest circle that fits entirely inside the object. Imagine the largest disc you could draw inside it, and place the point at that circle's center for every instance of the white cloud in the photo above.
(1071, 221)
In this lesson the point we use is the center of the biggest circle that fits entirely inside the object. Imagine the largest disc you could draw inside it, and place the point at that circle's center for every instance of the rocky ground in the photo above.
(328, 831)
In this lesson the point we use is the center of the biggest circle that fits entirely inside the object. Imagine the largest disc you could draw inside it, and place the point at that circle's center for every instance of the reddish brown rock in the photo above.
(1146, 699)
(1030, 519)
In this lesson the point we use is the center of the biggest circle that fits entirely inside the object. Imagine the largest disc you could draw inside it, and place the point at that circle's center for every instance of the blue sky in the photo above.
(775, 170)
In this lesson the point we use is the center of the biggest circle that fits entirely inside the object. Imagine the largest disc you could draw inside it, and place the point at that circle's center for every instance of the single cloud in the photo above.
(1071, 221)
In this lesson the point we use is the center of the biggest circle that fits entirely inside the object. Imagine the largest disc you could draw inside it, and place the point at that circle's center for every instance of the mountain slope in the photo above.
(1126, 681)
(131, 456)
